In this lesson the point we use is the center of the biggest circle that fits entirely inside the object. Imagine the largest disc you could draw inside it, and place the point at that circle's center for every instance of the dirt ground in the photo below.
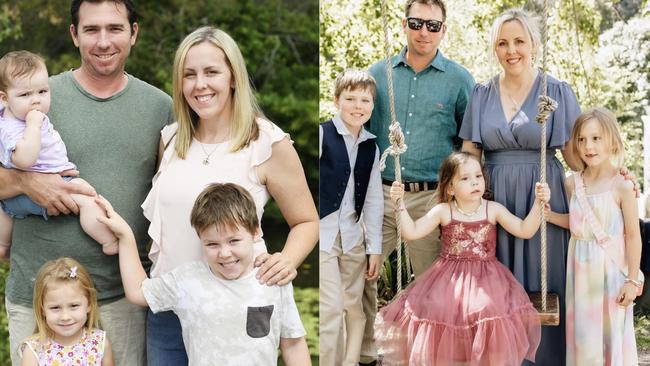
(644, 357)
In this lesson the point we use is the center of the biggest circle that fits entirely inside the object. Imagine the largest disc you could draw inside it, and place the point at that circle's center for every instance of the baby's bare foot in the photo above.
(110, 248)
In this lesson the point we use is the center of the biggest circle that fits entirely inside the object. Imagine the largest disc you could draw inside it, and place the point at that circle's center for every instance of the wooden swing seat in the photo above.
(550, 316)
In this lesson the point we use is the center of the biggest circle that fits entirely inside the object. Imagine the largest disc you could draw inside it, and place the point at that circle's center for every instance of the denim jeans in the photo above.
(165, 340)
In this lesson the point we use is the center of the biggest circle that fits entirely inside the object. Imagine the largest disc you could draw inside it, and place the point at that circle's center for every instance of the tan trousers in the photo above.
(341, 313)
(122, 321)
(422, 253)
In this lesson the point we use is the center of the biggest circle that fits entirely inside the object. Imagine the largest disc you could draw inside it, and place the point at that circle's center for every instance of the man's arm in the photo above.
(49, 191)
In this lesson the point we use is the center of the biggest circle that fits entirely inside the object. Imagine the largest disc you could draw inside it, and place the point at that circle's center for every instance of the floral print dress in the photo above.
(89, 351)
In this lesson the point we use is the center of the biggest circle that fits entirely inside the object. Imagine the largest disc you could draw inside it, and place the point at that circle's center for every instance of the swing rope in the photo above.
(545, 107)
(396, 148)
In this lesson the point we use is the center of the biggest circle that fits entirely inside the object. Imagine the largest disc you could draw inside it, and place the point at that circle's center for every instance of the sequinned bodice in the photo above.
(474, 240)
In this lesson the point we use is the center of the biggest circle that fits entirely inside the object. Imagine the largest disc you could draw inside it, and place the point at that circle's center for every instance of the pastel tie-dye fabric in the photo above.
(598, 330)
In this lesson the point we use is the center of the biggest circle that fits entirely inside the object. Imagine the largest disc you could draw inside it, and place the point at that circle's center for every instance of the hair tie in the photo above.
(73, 272)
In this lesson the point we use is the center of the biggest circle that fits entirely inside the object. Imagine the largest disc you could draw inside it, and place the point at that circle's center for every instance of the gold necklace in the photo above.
(516, 106)
(206, 161)
(468, 214)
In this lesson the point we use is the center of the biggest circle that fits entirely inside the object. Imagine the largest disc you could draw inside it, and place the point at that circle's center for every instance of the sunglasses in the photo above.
(433, 26)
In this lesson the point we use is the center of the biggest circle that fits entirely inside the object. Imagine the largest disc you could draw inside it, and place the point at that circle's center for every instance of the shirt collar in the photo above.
(342, 130)
(438, 62)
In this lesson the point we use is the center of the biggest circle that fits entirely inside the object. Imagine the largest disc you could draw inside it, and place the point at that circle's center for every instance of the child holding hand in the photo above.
(227, 316)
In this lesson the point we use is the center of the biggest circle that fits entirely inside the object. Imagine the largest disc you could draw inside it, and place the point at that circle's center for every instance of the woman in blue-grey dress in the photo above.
(500, 123)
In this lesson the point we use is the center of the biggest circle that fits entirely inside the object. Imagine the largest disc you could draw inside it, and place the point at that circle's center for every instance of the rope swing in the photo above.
(397, 147)
(547, 306)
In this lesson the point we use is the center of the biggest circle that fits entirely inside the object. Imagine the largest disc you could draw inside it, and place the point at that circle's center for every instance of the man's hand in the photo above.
(51, 192)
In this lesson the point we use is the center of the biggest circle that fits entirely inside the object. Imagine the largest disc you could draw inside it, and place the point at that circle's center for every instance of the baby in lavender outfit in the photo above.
(29, 142)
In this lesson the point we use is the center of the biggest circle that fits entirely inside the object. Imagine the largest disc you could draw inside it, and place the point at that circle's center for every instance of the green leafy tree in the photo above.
(604, 59)
(279, 41)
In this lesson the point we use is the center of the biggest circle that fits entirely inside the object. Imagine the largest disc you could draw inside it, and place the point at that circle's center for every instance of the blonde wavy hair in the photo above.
(58, 271)
(243, 128)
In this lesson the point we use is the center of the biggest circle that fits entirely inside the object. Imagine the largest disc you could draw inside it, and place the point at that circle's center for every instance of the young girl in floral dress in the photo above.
(67, 319)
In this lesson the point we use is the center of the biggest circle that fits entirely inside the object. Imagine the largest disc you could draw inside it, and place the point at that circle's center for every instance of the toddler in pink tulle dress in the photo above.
(467, 308)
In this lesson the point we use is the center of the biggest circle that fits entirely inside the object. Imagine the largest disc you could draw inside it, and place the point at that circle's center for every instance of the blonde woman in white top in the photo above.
(220, 136)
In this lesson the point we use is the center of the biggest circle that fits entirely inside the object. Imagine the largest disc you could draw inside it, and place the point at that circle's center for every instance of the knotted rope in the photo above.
(545, 107)
(397, 147)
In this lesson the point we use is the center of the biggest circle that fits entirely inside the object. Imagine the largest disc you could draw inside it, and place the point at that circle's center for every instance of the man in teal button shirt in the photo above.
(431, 93)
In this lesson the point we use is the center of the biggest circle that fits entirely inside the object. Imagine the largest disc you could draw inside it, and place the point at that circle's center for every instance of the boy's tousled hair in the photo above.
(226, 205)
(18, 64)
(438, 3)
(131, 13)
(611, 134)
(354, 79)
(59, 271)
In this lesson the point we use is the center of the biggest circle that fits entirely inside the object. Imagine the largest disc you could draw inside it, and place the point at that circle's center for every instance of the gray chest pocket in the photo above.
(258, 321)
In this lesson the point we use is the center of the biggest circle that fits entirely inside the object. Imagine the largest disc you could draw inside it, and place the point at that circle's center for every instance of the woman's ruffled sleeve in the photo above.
(263, 146)
(564, 117)
(471, 127)
(150, 205)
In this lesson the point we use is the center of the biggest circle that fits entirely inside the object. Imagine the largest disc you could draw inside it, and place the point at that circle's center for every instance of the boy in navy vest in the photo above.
(351, 213)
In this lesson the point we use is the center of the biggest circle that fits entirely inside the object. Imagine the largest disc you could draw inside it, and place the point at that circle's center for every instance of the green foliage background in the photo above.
(279, 40)
(600, 47)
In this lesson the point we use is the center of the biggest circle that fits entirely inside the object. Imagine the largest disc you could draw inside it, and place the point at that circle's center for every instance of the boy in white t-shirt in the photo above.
(227, 316)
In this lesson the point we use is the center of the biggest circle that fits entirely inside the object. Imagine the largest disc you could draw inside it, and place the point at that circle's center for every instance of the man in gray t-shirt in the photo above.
(110, 122)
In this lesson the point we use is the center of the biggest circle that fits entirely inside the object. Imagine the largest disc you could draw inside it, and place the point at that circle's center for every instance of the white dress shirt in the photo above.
(344, 220)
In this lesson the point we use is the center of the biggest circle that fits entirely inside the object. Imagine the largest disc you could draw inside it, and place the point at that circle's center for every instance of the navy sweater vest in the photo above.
(335, 171)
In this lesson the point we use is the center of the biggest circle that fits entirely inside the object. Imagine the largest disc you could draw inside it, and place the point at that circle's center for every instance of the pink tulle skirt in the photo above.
(460, 312)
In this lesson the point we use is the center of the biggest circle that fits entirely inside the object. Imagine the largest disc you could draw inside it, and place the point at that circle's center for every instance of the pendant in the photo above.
(206, 161)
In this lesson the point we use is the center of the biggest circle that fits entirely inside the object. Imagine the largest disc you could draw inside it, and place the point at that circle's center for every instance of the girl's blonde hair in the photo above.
(449, 169)
(611, 134)
(63, 270)
(527, 21)
(244, 105)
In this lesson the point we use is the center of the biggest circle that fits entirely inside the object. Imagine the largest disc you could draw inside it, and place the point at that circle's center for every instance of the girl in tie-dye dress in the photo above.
(603, 276)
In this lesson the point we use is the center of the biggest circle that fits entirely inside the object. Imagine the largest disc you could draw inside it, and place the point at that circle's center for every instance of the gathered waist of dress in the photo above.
(516, 156)
(467, 258)
(592, 238)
